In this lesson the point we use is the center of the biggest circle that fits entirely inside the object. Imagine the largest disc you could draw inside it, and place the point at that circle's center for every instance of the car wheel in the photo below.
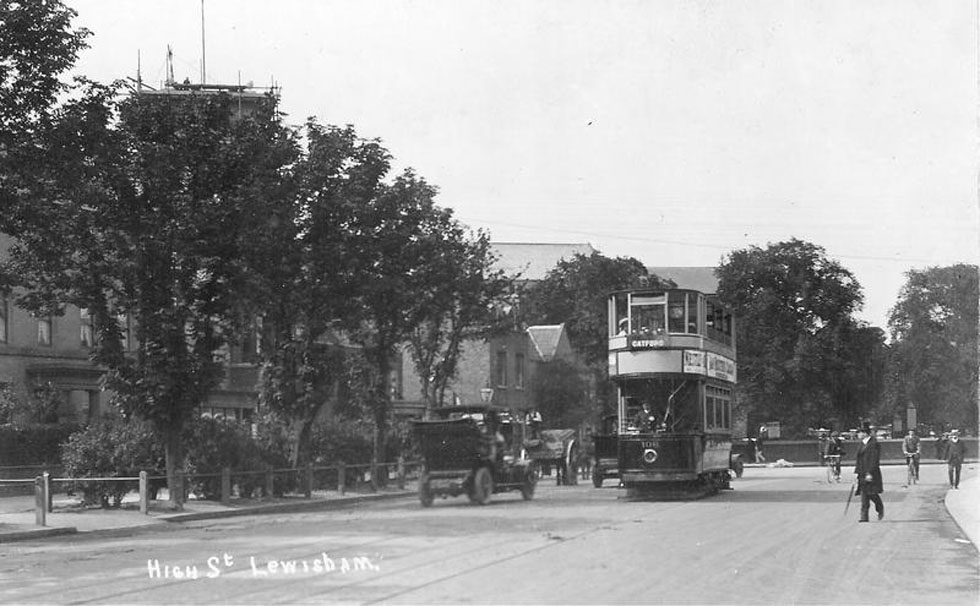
(482, 486)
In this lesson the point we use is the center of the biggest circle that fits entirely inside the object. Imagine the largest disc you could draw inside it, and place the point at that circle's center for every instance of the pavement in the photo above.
(68, 516)
(17, 516)
(964, 504)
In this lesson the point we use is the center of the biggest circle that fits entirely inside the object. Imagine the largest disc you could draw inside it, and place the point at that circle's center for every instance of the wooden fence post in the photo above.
(49, 500)
(144, 493)
(225, 485)
(341, 478)
(401, 472)
(309, 479)
(40, 502)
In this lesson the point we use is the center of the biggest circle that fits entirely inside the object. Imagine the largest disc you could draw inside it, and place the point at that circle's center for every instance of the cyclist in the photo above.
(834, 453)
(910, 448)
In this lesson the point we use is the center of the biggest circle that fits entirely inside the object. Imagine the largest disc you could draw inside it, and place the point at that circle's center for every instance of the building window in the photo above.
(3, 319)
(519, 371)
(44, 331)
(85, 327)
(501, 378)
(251, 345)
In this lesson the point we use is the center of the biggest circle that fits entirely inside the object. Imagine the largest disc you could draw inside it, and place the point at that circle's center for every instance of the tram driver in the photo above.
(645, 420)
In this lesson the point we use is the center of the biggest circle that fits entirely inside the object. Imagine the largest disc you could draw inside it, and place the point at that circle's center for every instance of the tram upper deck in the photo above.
(670, 331)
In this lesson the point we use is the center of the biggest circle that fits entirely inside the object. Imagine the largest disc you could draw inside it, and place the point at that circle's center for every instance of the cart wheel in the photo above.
(482, 486)
(571, 467)
(425, 492)
(530, 482)
(597, 478)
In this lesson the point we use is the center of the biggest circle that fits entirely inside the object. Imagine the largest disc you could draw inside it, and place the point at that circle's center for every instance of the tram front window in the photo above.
(648, 319)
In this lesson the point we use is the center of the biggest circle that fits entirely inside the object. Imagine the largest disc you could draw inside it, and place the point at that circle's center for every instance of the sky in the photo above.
(674, 131)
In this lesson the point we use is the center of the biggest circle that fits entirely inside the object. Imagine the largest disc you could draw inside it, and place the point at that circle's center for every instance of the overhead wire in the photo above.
(620, 236)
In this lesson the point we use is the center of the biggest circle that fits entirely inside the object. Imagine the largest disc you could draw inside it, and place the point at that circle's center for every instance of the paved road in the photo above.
(780, 537)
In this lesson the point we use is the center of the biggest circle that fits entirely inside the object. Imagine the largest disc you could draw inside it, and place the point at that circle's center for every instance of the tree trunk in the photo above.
(174, 453)
(380, 443)
(381, 404)
(300, 451)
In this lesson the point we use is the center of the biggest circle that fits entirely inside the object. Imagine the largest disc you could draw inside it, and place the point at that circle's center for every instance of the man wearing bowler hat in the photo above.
(868, 470)
(955, 452)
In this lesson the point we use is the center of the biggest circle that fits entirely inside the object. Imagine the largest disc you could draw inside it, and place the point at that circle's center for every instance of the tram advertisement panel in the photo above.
(721, 367)
(688, 361)
(693, 362)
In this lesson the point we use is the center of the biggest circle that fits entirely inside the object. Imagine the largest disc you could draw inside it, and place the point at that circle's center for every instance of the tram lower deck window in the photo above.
(717, 408)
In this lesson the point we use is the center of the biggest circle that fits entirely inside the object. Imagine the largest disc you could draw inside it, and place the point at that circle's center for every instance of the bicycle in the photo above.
(832, 462)
(913, 476)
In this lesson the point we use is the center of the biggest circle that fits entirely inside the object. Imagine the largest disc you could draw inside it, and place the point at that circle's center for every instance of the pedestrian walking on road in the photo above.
(941, 443)
(868, 471)
(955, 451)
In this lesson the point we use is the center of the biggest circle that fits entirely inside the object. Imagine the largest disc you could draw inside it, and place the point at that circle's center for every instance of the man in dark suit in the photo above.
(868, 470)
(955, 453)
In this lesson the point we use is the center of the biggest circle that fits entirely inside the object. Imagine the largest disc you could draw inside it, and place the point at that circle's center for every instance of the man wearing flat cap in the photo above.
(955, 452)
(868, 470)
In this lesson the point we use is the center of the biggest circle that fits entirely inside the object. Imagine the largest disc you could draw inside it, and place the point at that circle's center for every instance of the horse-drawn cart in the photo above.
(556, 448)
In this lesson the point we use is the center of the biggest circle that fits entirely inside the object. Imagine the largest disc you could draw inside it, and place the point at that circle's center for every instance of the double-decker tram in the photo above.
(672, 357)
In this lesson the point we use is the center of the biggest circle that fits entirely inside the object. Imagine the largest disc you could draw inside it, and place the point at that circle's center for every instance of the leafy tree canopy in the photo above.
(934, 345)
(797, 342)
(37, 46)
(140, 210)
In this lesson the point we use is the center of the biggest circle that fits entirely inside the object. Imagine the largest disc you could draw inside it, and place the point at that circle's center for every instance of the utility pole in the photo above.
(203, 53)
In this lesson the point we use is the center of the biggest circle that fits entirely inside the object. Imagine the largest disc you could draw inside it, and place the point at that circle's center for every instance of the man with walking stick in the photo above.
(955, 452)
(868, 472)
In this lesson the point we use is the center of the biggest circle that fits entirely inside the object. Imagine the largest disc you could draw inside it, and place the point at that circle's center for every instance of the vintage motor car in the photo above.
(472, 450)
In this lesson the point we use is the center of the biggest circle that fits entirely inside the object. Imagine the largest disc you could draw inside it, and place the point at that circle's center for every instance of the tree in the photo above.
(37, 46)
(561, 393)
(306, 274)
(403, 234)
(934, 343)
(795, 332)
(139, 210)
(462, 305)
(576, 293)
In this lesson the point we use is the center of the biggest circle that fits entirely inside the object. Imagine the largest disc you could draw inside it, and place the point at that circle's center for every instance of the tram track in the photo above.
(427, 558)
